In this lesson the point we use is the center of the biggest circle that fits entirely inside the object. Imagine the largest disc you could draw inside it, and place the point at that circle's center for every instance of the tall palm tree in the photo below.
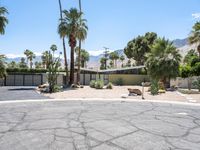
(31, 57)
(82, 34)
(122, 58)
(3, 19)
(64, 46)
(26, 53)
(195, 36)
(70, 27)
(45, 57)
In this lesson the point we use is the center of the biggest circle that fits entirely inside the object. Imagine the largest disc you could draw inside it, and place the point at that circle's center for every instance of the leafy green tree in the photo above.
(114, 56)
(30, 56)
(128, 63)
(3, 19)
(190, 55)
(62, 36)
(2, 66)
(70, 27)
(22, 63)
(137, 48)
(38, 65)
(12, 64)
(163, 60)
(195, 36)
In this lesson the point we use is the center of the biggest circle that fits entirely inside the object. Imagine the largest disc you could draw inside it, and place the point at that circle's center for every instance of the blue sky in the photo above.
(112, 23)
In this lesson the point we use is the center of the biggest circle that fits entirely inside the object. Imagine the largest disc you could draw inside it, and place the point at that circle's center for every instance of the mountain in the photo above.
(180, 42)
(94, 62)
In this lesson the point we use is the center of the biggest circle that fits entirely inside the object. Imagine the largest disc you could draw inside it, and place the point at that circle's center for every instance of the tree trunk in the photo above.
(79, 52)
(72, 67)
(64, 48)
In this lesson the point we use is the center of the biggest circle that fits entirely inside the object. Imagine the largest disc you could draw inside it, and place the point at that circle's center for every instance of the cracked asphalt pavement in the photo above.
(102, 125)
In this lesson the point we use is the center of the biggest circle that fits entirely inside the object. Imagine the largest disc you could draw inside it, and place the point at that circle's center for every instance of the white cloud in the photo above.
(21, 55)
(196, 15)
(97, 52)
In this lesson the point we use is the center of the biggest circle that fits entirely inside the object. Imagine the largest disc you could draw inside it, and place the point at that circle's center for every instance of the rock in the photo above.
(43, 86)
(135, 91)
(124, 96)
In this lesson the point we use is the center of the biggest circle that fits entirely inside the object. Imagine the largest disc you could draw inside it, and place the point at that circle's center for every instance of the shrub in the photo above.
(99, 84)
(92, 83)
(109, 86)
(57, 88)
(161, 86)
(25, 70)
(197, 84)
(154, 87)
(119, 82)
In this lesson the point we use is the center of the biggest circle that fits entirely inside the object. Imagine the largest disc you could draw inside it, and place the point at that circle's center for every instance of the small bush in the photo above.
(92, 83)
(99, 84)
(109, 86)
(57, 88)
(197, 84)
(154, 87)
(119, 82)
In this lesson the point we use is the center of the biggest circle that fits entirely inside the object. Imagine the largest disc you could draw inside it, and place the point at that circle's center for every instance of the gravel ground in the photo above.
(118, 91)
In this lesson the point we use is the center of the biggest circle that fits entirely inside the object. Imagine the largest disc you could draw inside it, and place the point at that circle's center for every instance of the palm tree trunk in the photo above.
(79, 52)
(64, 47)
(72, 66)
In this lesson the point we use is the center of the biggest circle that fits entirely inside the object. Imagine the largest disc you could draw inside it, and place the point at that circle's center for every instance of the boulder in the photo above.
(134, 91)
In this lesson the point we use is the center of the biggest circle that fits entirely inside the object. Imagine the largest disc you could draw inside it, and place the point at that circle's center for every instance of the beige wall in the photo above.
(129, 79)
(181, 82)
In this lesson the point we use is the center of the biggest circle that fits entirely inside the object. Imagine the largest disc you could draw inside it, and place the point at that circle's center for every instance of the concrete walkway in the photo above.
(99, 125)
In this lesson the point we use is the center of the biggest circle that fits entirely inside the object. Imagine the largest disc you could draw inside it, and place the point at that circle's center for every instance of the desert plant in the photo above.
(161, 86)
(92, 83)
(99, 84)
(154, 87)
(197, 83)
(119, 82)
(109, 86)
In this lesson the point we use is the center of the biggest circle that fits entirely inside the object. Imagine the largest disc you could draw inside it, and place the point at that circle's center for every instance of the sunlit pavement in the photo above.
(99, 125)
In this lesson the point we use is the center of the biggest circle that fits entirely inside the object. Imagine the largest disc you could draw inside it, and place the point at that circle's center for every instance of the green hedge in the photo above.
(25, 70)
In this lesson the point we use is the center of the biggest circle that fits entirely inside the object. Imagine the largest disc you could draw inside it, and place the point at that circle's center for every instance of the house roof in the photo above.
(112, 70)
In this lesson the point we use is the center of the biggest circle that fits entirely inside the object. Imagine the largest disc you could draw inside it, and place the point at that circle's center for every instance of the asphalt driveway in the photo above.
(8, 93)
(90, 125)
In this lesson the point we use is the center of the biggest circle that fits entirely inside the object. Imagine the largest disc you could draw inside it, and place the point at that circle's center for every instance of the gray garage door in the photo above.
(23, 80)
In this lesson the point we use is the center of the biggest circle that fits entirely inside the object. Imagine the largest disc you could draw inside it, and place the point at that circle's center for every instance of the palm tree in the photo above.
(122, 58)
(2, 67)
(3, 19)
(45, 57)
(31, 57)
(163, 61)
(114, 57)
(82, 34)
(64, 47)
(84, 58)
(70, 27)
(195, 36)
(26, 53)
